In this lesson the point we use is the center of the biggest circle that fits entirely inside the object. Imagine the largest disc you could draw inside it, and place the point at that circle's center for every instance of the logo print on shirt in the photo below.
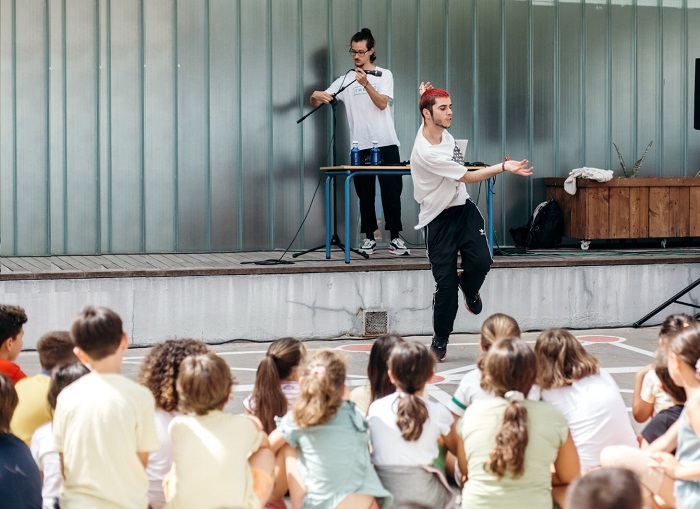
(457, 156)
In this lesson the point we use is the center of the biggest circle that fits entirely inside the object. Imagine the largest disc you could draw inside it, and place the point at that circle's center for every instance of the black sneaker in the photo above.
(474, 305)
(439, 348)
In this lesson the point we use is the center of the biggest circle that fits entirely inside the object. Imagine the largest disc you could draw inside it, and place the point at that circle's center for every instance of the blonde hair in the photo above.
(561, 360)
(510, 365)
(321, 389)
(204, 383)
(411, 366)
(495, 327)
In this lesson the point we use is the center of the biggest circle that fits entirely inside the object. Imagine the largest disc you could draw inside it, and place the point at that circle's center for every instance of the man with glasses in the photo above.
(367, 106)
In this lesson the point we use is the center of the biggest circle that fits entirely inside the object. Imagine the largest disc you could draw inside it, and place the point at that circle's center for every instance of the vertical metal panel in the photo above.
(193, 125)
(543, 99)
(82, 128)
(224, 116)
(286, 134)
(125, 129)
(596, 53)
(57, 133)
(648, 71)
(31, 128)
(7, 131)
(256, 121)
(570, 136)
(673, 125)
(160, 125)
(315, 75)
(623, 54)
(515, 84)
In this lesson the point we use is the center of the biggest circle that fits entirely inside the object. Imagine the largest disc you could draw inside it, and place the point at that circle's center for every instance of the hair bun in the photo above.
(366, 31)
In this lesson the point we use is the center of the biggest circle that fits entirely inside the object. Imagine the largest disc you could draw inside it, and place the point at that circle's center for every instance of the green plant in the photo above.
(635, 169)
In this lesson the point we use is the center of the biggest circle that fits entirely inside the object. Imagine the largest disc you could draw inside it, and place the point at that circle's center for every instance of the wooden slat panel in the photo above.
(694, 198)
(659, 212)
(619, 213)
(679, 213)
(10, 264)
(64, 263)
(639, 212)
(598, 213)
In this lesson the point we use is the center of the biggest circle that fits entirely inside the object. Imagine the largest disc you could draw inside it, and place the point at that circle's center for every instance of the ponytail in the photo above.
(510, 368)
(321, 389)
(267, 393)
(411, 366)
(411, 414)
(511, 441)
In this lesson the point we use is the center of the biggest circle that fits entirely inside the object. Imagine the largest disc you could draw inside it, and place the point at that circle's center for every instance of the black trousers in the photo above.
(391, 187)
(456, 230)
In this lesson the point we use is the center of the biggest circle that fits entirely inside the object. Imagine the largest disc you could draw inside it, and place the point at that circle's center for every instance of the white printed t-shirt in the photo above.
(367, 122)
(101, 422)
(436, 175)
(389, 448)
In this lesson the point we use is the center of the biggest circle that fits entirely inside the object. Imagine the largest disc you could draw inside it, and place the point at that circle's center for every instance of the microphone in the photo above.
(373, 72)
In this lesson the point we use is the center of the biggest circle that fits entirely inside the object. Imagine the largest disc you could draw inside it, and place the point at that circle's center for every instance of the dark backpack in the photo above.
(544, 229)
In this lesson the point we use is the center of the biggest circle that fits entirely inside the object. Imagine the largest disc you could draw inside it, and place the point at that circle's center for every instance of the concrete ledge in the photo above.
(325, 305)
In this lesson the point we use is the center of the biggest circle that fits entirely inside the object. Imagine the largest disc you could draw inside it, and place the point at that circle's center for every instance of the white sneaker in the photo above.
(398, 248)
(367, 247)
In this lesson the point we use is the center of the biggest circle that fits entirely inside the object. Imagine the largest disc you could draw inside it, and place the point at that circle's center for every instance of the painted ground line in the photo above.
(438, 394)
(633, 349)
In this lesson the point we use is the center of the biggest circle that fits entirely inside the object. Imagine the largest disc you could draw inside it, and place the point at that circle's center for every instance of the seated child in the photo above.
(276, 382)
(12, 320)
(511, 442)
(210, 448)
(42, 447)
(332, 441)
(20, 480)
(661, 422)
(104, 425)
(606, 488)
(379, 383)
(159, 372)
(405, 428)
(54, 349)
(648, 398)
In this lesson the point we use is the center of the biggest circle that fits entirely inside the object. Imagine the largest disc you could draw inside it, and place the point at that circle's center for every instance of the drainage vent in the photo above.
(375, 322)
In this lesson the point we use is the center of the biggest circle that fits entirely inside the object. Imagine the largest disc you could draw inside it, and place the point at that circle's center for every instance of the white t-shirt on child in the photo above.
(160, 461)
(390, 448)
(49, 463)
(469, 390)
(653, 393)
(596, 414)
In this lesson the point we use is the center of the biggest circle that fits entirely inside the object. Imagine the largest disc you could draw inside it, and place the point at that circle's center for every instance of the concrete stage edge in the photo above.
(262, 307)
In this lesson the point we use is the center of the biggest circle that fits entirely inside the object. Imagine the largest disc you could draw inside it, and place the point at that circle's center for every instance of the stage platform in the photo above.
(225, 296)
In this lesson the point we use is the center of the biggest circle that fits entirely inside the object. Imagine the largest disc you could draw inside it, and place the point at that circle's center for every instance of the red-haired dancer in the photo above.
(450, 221)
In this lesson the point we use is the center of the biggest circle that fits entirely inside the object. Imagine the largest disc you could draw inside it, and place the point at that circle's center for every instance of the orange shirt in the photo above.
(12, 370)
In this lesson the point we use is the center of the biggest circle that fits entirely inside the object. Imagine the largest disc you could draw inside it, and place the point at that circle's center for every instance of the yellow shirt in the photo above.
(33, 408)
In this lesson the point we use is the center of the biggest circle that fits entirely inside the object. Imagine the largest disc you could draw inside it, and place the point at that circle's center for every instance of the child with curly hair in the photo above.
(159, 372)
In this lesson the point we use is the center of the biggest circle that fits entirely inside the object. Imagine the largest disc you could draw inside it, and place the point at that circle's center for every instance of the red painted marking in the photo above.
(599, 339)
(436, 379)
(356, 348)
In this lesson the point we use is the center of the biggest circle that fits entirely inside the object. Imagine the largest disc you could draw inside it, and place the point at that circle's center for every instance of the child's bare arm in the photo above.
(143, 458)
(641, 409)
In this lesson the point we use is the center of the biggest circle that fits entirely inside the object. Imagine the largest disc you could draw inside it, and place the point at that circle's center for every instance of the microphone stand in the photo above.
(335, 239)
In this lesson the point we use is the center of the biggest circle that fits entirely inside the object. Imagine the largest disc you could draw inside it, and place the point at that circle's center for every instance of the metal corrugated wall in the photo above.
(169, 125)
